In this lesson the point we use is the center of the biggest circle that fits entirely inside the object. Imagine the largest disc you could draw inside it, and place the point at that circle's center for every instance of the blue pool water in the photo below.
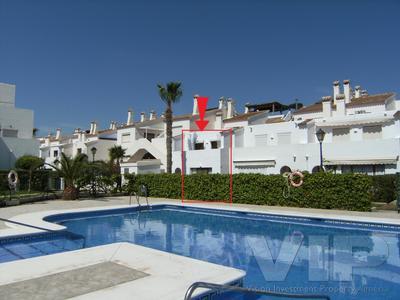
(308, 255)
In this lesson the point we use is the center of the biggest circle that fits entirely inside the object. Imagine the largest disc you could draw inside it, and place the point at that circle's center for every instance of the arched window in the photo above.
(285, 169)
(148, 156)
(178, 171)
(316, 169)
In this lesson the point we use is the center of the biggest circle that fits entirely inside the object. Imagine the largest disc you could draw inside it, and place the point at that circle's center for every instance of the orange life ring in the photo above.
(292, 180)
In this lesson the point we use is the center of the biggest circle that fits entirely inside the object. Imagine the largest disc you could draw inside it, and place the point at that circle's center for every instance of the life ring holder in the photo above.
(293, 181)
(13, 179)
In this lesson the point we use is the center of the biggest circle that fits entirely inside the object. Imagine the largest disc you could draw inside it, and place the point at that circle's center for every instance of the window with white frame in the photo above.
(177, 143)
(239, 138)
(340, 134)
(261, 139)
(284, 138)
(372, 132)
(125, 138)
(10, 132)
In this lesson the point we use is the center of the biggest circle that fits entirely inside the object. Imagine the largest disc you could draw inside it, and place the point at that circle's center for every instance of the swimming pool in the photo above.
(279, 253)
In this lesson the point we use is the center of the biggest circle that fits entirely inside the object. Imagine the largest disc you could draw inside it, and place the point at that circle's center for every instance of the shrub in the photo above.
(40, 180)
(384, 188)
(320, 190)
(28, 162)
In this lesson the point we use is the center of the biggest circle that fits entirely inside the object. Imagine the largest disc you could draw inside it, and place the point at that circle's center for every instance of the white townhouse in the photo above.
(16, 129)
(362, 134)
(145, 142)
(80, 142)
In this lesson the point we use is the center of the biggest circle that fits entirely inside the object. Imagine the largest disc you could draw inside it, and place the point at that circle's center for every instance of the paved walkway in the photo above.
(11, 211)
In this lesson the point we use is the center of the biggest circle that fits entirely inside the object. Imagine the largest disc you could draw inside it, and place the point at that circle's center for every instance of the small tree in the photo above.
(70, 169)
(116, 154)
(29, 163)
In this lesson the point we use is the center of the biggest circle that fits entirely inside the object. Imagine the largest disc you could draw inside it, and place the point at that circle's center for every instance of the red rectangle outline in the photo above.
(230, 168)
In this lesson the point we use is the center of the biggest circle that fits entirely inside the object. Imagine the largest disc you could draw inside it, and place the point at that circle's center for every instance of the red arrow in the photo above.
(202, 105)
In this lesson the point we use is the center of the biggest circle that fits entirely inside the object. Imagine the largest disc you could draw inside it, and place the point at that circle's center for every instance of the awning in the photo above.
(140, 163)
(254, 163)
(355, 121)
(369, 161)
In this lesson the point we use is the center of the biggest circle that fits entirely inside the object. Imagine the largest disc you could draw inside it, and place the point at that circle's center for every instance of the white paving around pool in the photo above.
(168, 276)
(161, 275)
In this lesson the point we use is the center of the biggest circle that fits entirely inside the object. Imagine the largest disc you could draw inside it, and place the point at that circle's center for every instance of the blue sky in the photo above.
(76, 61)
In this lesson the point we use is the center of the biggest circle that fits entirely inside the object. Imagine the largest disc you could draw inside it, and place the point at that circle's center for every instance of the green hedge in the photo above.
(321, 190)
(40, 180)
(384, 188)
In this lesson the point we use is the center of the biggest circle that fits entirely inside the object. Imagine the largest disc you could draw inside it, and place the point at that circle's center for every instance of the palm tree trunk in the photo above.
(70, 193)
(168, 117)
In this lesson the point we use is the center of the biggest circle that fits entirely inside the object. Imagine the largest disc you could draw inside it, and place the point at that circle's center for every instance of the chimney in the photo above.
(221, 103)
(130, 117)
(246, 108)
(58, 133)
(153, 115)
(113, 125)
(357, 93)
(142, 117)
(94, 128)
(336, 89)
(340, 105)
(231, 108)
(195, 106)
(91, 127)
(47, 139)
(327, 106)
(347, 90)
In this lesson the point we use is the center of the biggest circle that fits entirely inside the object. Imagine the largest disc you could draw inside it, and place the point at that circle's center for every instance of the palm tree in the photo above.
(170, 94)
(116, 154)
(70, 169)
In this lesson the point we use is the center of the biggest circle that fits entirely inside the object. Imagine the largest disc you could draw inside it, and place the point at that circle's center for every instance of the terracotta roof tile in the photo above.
(274, 120)
(243, 117)
(316, 107)
(355, 102)
(370, 100)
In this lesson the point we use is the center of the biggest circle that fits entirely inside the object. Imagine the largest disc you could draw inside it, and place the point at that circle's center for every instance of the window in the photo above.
(201, 170)
(215, 144)
(316, 169)
(126, 170)
(340, 134)
(10, 133)
(372, 132)
(55, 153)
(239, 139)
(150, 136)
(285, 169)
(178, 143)
(198, 146)
(79, 150)
(148, 156)
(261, 139)
(126, 137)
(284, 138)
(364, 169)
